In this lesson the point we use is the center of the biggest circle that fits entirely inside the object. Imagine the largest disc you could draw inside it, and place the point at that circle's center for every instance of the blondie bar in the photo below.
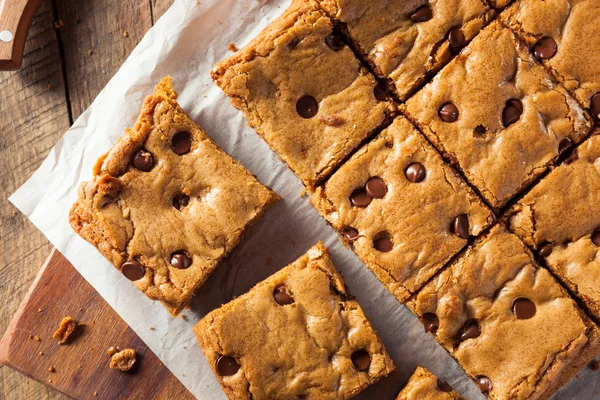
(295, 335)
(423, 385)
(166, 204)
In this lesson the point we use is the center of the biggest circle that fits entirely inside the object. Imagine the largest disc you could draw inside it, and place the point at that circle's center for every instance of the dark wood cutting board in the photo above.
(81, 366)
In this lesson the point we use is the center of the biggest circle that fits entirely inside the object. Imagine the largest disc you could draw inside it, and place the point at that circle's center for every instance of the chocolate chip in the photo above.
(227, 366)
(457, 39)
(448, 112)
(105, 201)
(596, 237)
(181, 200)
(361, 360)
(133, 270)
(360, 198)
(595, 105)
(431, 322)
(484, 383)
(350, 234)
(143, 160)
(281, 296)
(545, 48)
(460, 226)
(181, 260)
(415, 172)
(523, 308)
(334, 41)
(564, 145)
(544, 249)
(307, 107)
(383, 243)
(444, 386)
(512, 112)
(293, 43)
(470, 330)
(376, 187)
(181, 143)
(422, 14)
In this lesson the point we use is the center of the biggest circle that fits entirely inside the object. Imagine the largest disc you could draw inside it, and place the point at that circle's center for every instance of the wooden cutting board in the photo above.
(81, 366)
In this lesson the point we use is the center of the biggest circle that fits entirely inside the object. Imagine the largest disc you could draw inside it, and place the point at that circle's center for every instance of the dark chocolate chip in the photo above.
(293, 43)
(545, 48)
(596, 237)
(523, 308)
(422, 14)
(448, 112)
(181, 143)
(470, 330)
(376, 187)
(415, 172)
(595, 105)
(133, 270)
(181, 200)
(181, 260)
(444, 386)
(460, 226)
(143, 160)
(360, 198)
(544, 249)
(334, 41)
(431, 322)
(350, 234)
(227, 366)
(383, 243)
(307, 107)
(281, 296)
(457, 39)
(361, 360)
(512, 112)
(564, 145)
(484, 383)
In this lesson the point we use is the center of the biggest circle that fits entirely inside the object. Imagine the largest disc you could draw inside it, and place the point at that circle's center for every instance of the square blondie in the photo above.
(565, 36)
(559, 218)
(498, 115)
(166, 204)
(305, 92)
(510, 325)
(407, 41)
(423, 385)
(401, 208)
(295, 335)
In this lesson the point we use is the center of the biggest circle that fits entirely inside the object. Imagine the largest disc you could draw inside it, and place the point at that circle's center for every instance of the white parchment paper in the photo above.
(185, 43)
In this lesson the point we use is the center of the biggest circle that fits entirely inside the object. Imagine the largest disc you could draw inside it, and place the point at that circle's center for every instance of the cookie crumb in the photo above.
(66, 328)
(90, 52)
(232, 47)
(125, 34)
(58, 24)
(30, 337)
(51, 369)
(123, 360)
(37, 338)
(50, 380)
(331, 120)
(111, 351)
(151, 328)
(595, 365)
(40, 310)
(95, 394)
(41, 353)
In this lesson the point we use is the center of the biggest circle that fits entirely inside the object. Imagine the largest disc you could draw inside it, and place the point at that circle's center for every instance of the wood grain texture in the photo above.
(80, 367)
(159, 7)
(16, 19)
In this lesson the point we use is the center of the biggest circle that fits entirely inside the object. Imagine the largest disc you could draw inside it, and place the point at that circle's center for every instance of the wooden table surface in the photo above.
(73, 49)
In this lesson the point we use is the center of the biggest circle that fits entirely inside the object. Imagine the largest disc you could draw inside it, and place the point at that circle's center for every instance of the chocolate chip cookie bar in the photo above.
(166, 204)
(401, 208)
(498, 115)
(304, 92)
(295, 335)
(408, 41)
(511, 326)
(423, 385)
(564, 35)
(559, 218)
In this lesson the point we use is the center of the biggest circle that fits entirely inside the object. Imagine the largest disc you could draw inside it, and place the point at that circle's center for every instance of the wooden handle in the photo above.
(15, 20)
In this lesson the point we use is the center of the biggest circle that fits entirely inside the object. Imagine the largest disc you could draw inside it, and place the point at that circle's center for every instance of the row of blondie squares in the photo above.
(166, 204)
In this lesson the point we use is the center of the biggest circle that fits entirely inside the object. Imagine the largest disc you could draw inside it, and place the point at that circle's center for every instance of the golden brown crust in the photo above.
(423, 385)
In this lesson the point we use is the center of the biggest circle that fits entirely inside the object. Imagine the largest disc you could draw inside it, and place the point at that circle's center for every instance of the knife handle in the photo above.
(15, 21)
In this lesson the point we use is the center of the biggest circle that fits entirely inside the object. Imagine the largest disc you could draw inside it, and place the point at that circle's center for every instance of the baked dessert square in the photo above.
(559, 219)
(565, 36)
(408, 41)
(498, 115)
(510, 325)
(295, 335)
(401, 208)
(166, 204)
(423, 385)
(305, 92)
